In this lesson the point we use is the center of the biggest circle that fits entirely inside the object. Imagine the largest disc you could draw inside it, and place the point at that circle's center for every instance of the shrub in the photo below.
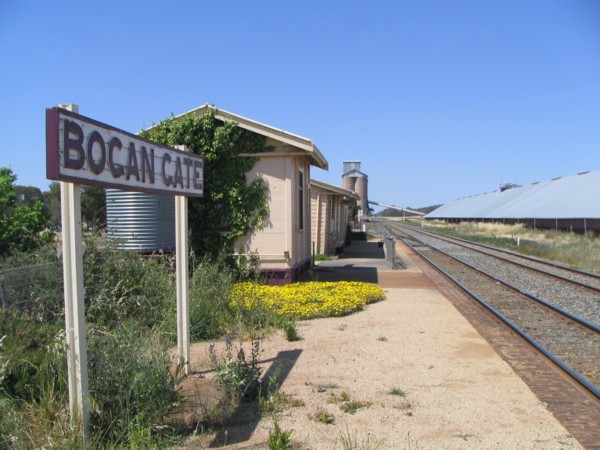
(279, 439)
(118, 286)
(289, 328)
(238, 376)
(32, 283)
(131, 383)
(42, 423)
(210, 287)
(33, 391)
(33, 357)
(122, 286)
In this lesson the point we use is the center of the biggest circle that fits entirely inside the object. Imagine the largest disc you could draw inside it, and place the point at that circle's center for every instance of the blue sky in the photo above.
(438, 99)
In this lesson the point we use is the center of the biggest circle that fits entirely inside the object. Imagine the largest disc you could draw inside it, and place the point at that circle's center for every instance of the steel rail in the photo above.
(540, 300)
(555, 359)
(503, 250)
(556, 266)
(518, 255)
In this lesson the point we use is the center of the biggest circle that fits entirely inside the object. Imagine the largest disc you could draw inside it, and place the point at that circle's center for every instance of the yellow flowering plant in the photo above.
(307, 300)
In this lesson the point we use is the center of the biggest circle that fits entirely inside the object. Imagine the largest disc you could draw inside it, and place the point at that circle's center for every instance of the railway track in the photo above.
(579, 278)
(511, 291)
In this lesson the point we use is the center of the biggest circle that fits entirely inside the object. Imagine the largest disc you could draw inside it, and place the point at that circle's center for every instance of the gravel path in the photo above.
(458, 393)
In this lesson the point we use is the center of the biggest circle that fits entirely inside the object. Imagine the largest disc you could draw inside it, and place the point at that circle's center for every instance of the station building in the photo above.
(283, 245)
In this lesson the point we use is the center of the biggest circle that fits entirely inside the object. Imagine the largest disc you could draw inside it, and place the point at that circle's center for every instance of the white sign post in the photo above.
(183, 303)
(82, 150)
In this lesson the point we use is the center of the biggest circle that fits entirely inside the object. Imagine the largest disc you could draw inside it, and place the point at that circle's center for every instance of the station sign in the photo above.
(84, 151)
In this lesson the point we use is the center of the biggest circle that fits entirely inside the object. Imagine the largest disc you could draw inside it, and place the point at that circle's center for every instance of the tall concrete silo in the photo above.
(140, 221)
(349, 183)
(362, 188)
(355, 180)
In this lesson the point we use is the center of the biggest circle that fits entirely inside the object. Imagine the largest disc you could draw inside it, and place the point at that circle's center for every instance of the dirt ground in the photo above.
(454, 390)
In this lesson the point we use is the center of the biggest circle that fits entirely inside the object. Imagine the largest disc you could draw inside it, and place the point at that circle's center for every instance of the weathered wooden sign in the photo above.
(83, 150)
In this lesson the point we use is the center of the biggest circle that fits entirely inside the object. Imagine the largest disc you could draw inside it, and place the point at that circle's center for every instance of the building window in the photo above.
(301, 200)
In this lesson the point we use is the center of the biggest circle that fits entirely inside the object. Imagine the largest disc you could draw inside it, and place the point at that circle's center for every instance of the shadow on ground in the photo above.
(204, 399)
(246, 415)
(358, 262)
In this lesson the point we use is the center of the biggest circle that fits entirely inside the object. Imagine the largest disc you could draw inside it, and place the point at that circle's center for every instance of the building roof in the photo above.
(333, 189)
(303, 144)
(355, 173)
(572, 197)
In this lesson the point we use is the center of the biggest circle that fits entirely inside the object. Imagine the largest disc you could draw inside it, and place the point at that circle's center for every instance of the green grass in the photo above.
(353, 442)
(324, 417)
(279, 439)
(352, 406)
(397, 392)
(322, 257)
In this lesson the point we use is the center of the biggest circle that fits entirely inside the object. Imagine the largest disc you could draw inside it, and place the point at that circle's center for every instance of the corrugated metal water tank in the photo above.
(140, 221)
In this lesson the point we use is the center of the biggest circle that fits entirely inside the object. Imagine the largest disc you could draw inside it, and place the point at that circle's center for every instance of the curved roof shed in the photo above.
(572, 198)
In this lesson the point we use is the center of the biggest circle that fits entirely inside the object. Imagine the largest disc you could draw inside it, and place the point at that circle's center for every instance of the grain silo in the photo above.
(362, 186)
(355, 180)
(140, 221)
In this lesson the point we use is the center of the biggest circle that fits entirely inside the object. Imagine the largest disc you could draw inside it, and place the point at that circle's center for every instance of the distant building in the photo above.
(565, 203)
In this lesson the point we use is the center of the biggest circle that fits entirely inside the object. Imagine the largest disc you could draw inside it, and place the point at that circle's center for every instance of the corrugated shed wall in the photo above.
(563, 202)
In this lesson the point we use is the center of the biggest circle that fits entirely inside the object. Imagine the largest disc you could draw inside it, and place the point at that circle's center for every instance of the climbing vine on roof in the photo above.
(231, 207)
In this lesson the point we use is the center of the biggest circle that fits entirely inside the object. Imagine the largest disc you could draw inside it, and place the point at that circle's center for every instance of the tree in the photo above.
(231, 208)
(20, 225)
(93, 206)
(28, 195)
(52, 205)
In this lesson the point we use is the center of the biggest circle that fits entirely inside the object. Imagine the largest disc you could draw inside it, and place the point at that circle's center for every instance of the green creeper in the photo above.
(231, 207)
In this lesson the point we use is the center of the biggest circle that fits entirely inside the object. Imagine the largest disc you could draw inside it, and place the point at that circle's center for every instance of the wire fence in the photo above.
(36, 289)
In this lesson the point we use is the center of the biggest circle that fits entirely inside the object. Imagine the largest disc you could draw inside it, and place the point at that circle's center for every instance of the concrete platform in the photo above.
(366, 262)
(460, 390)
